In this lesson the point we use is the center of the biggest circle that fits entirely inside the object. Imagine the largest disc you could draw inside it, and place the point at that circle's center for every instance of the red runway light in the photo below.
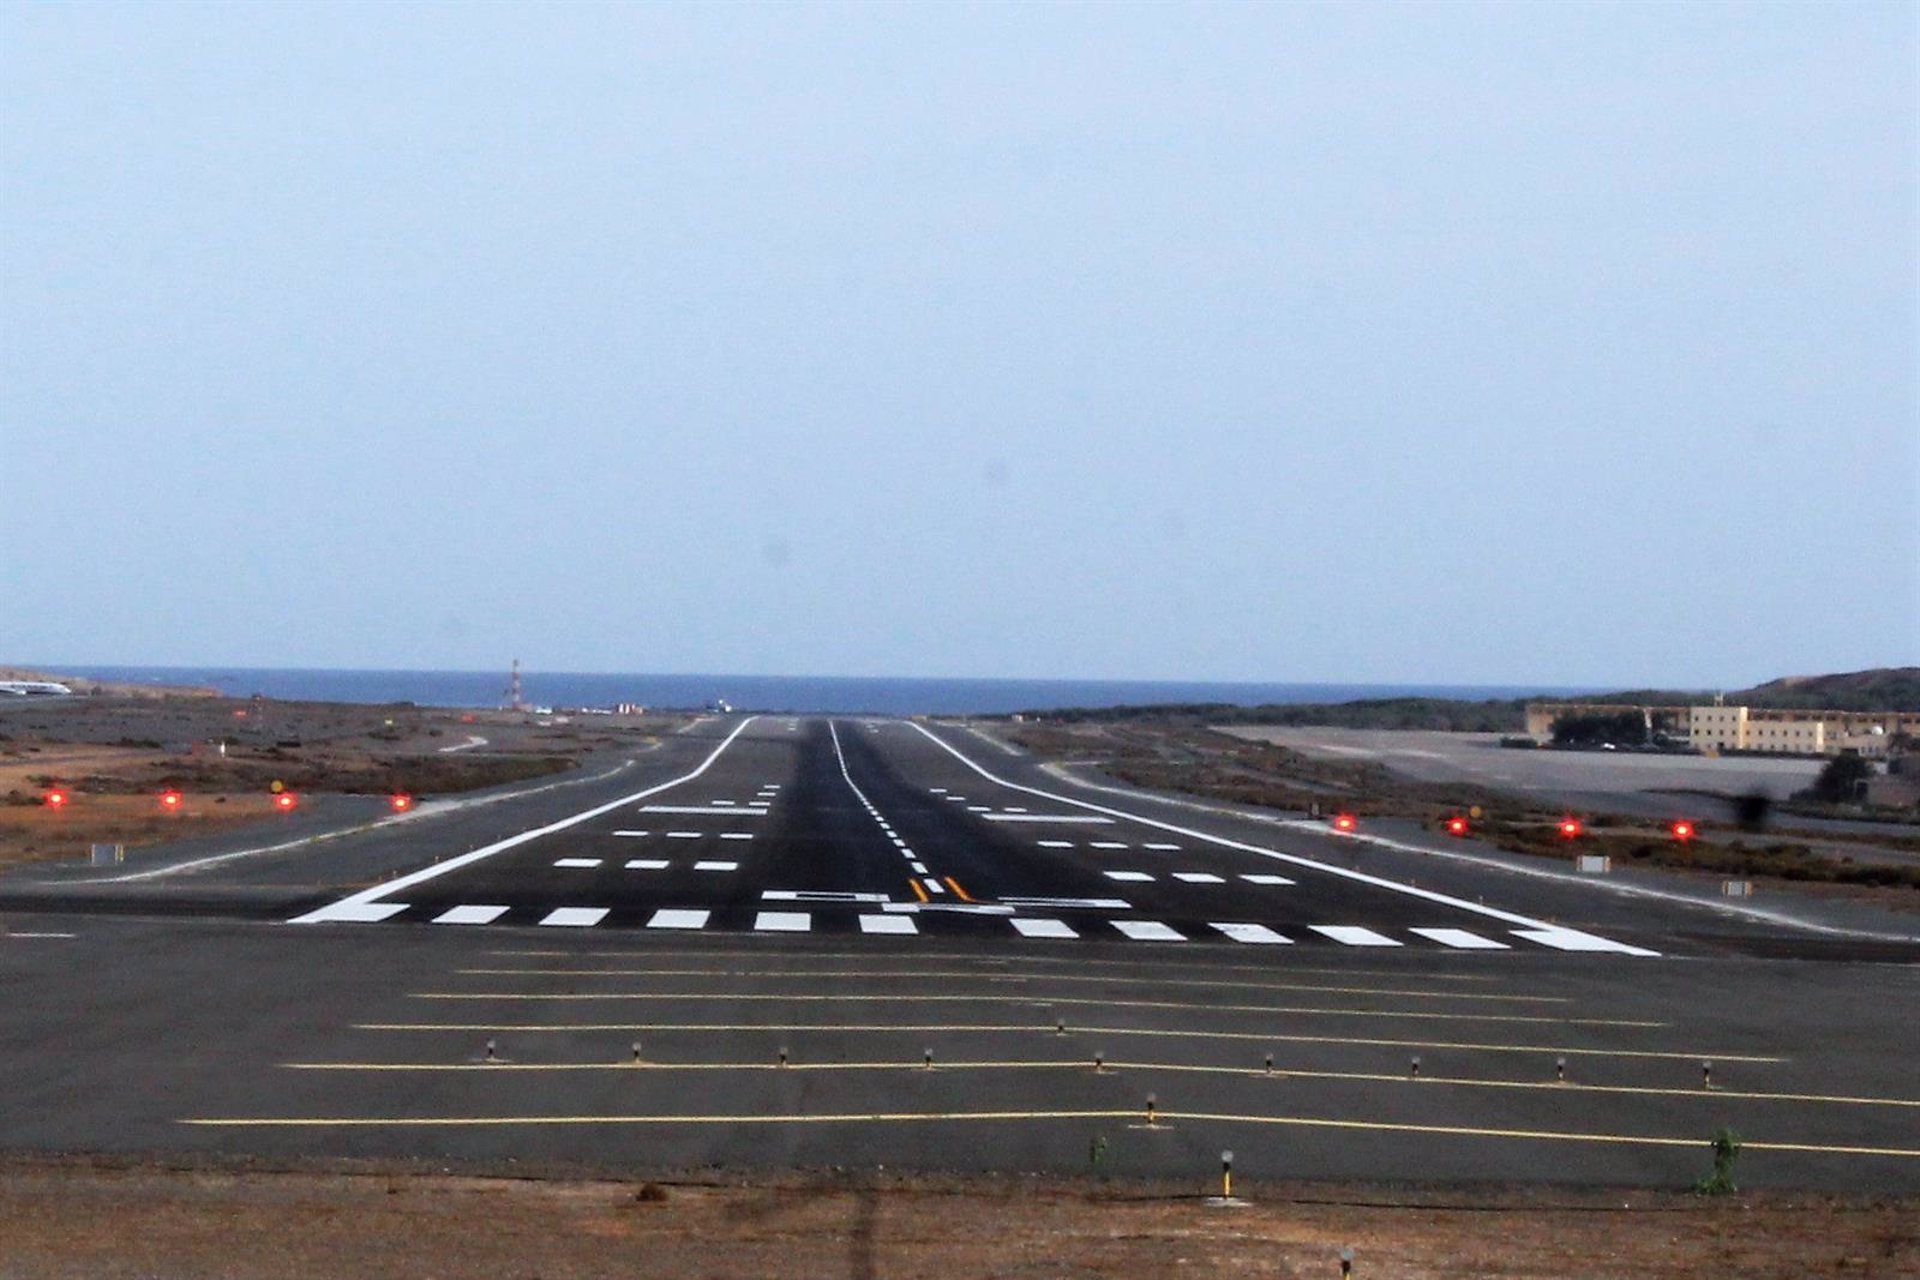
(171, 800)
(1682, 830)
(285, 801)
(1345, 822)
(401, 802)
(1570, 827)
(56, 799)
(1456, 826)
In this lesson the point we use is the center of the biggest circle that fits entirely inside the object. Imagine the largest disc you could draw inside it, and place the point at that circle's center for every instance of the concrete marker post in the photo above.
(493, 1050)
(1706, 1075)
(1099, 1061)
(1226, 1174)
(636, 1053)
(1413, 1067)
(1560, 1070)
(1152, 1103)
(1269, 1064)
(927, 1060)
(783, 1055)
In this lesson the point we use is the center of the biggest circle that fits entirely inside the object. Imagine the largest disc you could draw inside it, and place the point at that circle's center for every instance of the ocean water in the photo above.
(839, 694)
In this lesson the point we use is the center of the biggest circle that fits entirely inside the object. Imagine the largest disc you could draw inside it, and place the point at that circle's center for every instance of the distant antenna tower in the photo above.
(515, 699)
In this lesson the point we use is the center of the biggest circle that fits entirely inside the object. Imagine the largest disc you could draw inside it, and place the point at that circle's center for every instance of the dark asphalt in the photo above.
(969, 937)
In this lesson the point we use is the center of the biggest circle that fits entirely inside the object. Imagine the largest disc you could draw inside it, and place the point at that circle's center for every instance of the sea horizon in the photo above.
(894, 695)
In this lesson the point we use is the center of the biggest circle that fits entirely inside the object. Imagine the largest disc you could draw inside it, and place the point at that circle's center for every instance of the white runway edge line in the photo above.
(366, 904)
(1561, 934)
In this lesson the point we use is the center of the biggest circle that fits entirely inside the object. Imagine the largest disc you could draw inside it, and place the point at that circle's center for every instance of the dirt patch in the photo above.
(66, 1219)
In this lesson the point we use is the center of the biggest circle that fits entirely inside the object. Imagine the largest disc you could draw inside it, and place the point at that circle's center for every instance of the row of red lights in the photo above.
(1570, 827)
(171, 801)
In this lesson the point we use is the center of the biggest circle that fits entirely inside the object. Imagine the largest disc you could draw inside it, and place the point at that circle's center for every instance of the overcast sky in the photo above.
(1538, 343)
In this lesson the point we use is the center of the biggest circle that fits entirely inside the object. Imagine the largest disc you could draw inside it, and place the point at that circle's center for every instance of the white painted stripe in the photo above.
(1165, 847)
(1148, 931)
(1087, 819)
(699, 808)
(919, 868)
(1075, 904)
(577, 862)
(736, 835)
(1353, 935)
(1262, 878)
(978, 808)
(350, 912)
(1345, 873)
(1198, 877)
(1107, 844)
(1054, 844)
(716, 866)
(350, 908)
(783, 922)
(957, 908)
(575, 917)
(633, 834)
(933, 886)
(1564, 939)
(1139, 877)
(647, 864)
(1042, 928)
(668, 918)
(1462, 939)
(684, 835)
(1014, 808)
(727, 804)
(819, 895)
(939, 791)
(887, 924)
(470, 915)
(1252, 933)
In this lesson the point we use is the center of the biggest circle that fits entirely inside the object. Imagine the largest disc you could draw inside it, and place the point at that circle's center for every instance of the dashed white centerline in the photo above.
(888, 924)
(577, 862)
(1198, 877)
(716, 866)
(648, 864)
(1262, 878)
(1040, 928)
(1136, 876)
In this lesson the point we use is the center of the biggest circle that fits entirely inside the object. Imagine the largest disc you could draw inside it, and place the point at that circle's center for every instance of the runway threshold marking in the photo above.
(1077, 1001)
(1129, 1113)
(1027, 1028)
(1543, 931)
(364, 905)
(1112, 1065)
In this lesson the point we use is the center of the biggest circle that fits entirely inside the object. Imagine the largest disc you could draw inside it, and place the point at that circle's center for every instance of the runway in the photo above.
(890, 827)
(780, 943)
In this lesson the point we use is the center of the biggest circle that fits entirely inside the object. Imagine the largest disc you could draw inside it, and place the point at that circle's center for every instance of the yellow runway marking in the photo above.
(1112, 1065)
(1130, 1113)
(1030, 1029)
(883, 974)
(919, 891)
(958, 892)
(995, 966)
(761, 997)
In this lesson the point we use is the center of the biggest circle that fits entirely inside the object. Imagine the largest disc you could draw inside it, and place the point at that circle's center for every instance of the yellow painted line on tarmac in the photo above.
(886, 974)
(1023, 1028)
(910, 1117)
(811, 998)
(919, 890)
(1000, 966)
(958, 892)
(1110, 1066)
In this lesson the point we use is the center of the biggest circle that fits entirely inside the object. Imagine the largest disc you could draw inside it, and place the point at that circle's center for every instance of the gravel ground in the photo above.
(77, 1219)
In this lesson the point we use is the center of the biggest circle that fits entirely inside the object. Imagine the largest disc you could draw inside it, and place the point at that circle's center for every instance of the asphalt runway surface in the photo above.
(778, 942)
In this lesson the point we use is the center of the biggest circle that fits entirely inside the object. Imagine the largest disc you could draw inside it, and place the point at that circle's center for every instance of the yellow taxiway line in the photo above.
(1030, 1029)
(909, 1117)
(1076, 1001)
(889, 974)
(1108, 1067)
